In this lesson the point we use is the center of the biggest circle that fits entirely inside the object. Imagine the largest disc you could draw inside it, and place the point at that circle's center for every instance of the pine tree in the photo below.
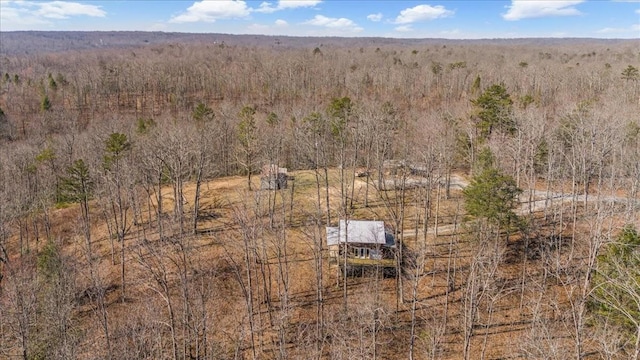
(492, 196)
(630, 73)
(494, 111)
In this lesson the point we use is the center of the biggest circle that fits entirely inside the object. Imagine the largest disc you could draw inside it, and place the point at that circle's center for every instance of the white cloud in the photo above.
(638, 11)
(11, 17)
(64, 10)
(375, 17)
(258, 29)
(292, 4)
(404, 28)
(523, 9)
(609, 30)
(334, 23)
(422, 13)
(281, 23)
(635, 28)
(212, 10)
(267, 7)
(29, 15)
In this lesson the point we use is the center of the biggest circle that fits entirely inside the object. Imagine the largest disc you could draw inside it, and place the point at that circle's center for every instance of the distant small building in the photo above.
(367, 243)
(399, 167)
(394, 167)
(273, 178)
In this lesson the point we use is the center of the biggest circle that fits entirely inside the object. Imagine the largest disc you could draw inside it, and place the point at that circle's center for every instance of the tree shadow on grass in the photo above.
(534, 247)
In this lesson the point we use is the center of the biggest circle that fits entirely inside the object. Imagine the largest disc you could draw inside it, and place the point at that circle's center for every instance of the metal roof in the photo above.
(357, 231)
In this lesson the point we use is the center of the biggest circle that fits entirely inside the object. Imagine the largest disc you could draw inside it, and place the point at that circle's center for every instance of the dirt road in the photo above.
(530, 202)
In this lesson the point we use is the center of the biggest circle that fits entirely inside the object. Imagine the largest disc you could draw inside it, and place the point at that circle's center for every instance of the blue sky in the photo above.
(387, 18)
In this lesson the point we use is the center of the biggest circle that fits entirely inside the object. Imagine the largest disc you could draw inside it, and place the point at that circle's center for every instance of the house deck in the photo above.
(386, 263)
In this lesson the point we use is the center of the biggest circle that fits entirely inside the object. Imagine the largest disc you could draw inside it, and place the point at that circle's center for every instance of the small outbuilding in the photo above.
(273, 178)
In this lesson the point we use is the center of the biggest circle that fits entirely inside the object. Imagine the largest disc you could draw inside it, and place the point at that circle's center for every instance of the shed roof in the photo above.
(357, 231)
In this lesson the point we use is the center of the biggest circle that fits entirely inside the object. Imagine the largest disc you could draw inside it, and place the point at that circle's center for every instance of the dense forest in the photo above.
(133, 224)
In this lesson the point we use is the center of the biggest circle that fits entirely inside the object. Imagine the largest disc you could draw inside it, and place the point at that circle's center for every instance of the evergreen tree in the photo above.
(492, 196)
(45, 103)
(616, 283)
(115, 146)
(77, 186)
(202, 113)
(630, 73)
(495, 109)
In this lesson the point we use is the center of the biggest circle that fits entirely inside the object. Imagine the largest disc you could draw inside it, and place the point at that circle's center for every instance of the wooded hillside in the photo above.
(132, 223)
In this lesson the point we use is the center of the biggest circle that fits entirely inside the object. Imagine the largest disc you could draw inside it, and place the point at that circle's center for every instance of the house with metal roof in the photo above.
(361, 243)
